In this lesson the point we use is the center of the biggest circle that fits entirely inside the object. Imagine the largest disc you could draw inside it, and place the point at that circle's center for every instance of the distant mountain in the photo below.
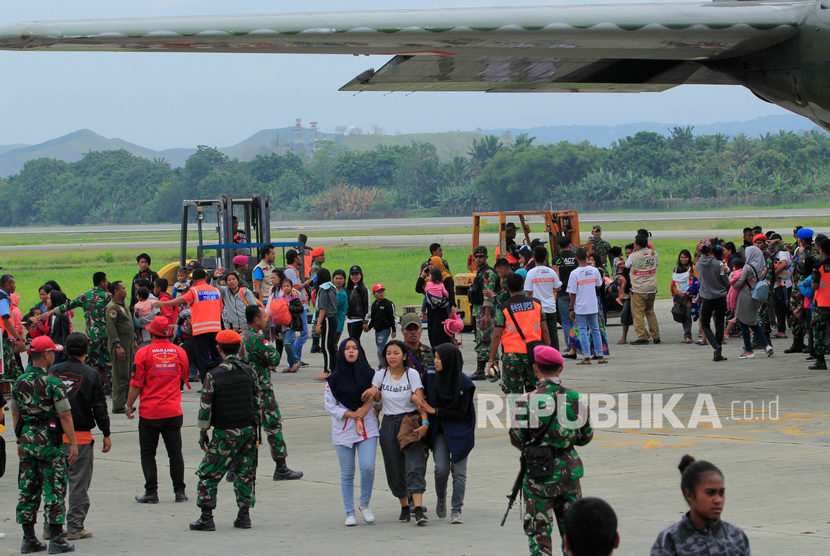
(603, 136)
(72, 147)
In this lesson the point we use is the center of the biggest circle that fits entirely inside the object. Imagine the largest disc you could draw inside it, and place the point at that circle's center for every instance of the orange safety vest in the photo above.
(206, 310)
(528, 313)
(822, 294)
(308, 260)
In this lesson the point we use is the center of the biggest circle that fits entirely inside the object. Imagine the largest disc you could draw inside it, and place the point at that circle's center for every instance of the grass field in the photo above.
(396, 268)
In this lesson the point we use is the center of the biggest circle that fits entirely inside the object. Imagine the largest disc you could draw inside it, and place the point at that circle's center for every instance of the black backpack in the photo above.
(475, 293)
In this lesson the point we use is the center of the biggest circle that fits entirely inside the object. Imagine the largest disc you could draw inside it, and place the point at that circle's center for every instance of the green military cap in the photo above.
(480, 250)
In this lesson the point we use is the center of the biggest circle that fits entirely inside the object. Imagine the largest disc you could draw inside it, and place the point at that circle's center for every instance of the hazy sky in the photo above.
(164, 100)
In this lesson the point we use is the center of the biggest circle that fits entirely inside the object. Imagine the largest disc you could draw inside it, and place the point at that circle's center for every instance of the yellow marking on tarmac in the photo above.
(652, 444)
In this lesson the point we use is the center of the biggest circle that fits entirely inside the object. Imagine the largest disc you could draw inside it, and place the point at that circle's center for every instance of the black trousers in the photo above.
(550, 319)
(781, 295)
(207, 355)
(328, 343)
(708, 307)
(355, 329)
(170, 430)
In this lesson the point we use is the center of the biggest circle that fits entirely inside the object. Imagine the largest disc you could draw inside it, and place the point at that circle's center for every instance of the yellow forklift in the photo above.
(545, 224)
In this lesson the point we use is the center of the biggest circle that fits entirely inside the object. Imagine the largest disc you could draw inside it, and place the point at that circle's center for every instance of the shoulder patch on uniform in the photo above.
(113, 313)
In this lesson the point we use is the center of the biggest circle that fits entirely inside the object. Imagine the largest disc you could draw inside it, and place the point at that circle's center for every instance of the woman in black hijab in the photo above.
(452, 424)
(354, 425)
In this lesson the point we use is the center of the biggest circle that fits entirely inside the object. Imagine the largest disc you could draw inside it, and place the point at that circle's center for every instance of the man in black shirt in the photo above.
(85, 392)
(143, 261)
(565, 262)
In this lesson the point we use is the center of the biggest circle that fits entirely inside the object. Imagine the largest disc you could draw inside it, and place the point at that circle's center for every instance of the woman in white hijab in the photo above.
(746, 308)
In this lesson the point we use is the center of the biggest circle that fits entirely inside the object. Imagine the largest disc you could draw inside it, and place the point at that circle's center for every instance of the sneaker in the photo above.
(82, 534)
(769, 351)
(404, 517)
(656, 340)
(420, 515)
(367, 514)
(441, 508)
(747, 355)
(455, 517)
(638, 342)
(351, 521)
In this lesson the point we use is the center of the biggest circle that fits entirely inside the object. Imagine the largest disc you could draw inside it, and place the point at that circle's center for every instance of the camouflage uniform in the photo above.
(684, 537)
(553, 495)
(39, 398)
(799, 325)
(94, 303)
(516, 373)
(420, 359)
(261, 356)
(764, 320)
(10, 369)
(821, 319)
(235, 447)
(484, 333)
(600, 249)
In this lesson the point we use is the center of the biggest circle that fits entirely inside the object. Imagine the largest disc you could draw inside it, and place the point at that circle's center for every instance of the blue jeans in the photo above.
(381, 337)
(299, 341)
(563, 306)
(582, 323)
(288, 344)
(366, 450)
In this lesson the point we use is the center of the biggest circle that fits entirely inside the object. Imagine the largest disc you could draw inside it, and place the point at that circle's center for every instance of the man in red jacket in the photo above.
(170, 311)
(159, 369)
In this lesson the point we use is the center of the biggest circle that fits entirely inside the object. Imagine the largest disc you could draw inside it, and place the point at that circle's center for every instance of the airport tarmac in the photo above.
(771, 439)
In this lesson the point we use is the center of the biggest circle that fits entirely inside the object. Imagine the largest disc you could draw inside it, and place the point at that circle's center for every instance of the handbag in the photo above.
(407, 434)
(760, 291)
(678, 311)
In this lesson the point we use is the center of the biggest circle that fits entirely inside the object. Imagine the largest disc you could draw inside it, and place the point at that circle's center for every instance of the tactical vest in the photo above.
(233, 400)
(822, 294)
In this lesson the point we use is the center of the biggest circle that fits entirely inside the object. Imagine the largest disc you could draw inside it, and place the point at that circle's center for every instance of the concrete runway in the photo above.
(774, 460)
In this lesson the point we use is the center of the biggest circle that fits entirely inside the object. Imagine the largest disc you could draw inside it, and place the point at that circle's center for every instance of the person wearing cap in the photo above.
(510, 240)
(261, 276)
(42, 415)
(229, 404)
(261, 356)
(599, 247)
(418, 356)
(482, 308)
(160, 367)
(121, 343)
(85, 392)
(803, 260)
(518, 323)
(381, 318)
(144, 273)
(547, 442)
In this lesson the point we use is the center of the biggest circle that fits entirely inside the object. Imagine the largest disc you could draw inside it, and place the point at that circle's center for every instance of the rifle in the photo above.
(517, 487)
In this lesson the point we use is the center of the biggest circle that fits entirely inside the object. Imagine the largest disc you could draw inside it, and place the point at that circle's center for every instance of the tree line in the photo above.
(495, 174)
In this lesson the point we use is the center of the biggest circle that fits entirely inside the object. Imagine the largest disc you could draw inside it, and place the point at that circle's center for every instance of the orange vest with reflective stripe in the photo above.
(528, 313)
(822, 295)
(206, 310)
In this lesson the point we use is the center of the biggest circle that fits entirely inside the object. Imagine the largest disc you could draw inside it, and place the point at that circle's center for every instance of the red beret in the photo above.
(546, 355)
(228, 337)
(317, 252)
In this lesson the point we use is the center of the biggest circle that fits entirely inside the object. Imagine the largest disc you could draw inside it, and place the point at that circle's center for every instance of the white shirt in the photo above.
(785, 277)
(583, 282)
(396, 395)
(343, 430)
(541, 281)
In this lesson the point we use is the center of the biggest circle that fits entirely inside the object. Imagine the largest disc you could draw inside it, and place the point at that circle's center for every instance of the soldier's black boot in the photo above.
(479, 374)
(30, 542)
(283, 473)
(58, 543)
(243, 519)
(205, 521)
(798, 345)
(819, 365)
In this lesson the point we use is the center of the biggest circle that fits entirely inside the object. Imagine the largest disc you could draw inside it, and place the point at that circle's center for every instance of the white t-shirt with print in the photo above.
(583, 282)
(396, 395)
(541, 282)
(785, 278)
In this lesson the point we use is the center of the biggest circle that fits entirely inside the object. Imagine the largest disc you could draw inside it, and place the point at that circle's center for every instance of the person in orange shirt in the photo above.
(205, 304)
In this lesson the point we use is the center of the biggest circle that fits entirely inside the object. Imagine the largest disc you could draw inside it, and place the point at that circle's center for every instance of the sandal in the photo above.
(602, 361)
(687, 340)
(702, 343)
(292, 369)
(584, 362)
(322, 377)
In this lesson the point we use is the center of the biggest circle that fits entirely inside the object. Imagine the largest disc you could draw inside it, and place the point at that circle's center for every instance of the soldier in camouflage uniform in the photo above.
(804, 258)
(600, 248)
(482, 309)
(12, 342)
(517, 375)
(94, 303)
(41, 410)
(230, 403)
(418, 355)
(260, 355)
(821, 310)
(550, 493)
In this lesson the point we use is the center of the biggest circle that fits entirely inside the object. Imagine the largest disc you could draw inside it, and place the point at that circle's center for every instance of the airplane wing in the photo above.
(615, 47)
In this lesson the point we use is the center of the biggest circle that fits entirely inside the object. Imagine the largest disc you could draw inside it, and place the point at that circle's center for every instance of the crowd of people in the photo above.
(215, 329)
